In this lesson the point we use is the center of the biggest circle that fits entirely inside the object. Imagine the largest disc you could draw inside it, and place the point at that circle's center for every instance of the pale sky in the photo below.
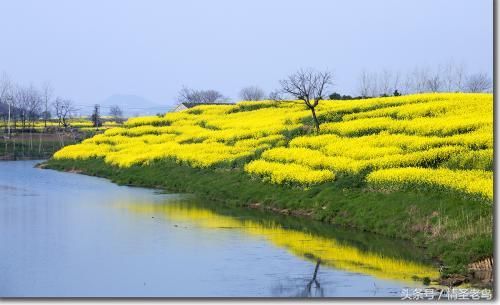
(90, 49)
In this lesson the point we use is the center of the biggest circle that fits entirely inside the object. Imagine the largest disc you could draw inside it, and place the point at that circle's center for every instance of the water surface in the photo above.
(64, 234)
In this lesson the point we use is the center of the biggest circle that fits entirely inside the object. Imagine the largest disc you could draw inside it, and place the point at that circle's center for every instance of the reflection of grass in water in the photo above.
(329, 250)
(367, 242)
(350, 258)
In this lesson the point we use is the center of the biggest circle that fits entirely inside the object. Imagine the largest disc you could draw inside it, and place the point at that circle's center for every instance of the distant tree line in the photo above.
(252, 93)
(21, 107)
(311, 86)
(450, 77)
(188, 95)
(445, 78)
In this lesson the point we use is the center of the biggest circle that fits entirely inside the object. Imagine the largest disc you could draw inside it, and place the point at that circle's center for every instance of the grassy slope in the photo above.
(454, 230)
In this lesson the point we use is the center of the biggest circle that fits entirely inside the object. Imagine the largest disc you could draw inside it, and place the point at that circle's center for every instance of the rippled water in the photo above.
(64, 234)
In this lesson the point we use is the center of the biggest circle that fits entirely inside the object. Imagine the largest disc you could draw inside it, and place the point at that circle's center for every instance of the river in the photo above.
(71, 235)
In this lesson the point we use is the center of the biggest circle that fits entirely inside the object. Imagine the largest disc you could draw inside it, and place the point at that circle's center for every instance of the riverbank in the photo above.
(452, 229)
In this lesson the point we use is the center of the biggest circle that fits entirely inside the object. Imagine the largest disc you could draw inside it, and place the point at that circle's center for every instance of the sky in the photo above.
(91, 49)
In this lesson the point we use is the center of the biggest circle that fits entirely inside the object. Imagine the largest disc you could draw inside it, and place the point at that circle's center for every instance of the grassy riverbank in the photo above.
(417, 167)
(453, 229)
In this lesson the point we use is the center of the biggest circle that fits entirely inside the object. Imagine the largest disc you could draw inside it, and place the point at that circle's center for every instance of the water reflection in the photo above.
(62, 235)
(331, 251)
(308, 292)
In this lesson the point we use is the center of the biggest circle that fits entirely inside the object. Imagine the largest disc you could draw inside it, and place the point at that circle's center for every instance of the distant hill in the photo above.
(133, 105)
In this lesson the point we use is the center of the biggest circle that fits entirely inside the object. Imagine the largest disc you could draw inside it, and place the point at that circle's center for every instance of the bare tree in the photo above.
(448, 76)
(369, 84)
(309, 86)
(453, 76)
(433, 83)
(407, 84)
(6, 99)
(374, 85)
(4, 114)
(116, 113)
(385, 81)
(396, 82)
(252, 93)
(459, 77)
(275, 95)
(64, 109)
(47, 92)
(364, 83)
(478, 82)
(420, 78)
(5, 87)
(211, 96)
(21, 100)
(34, 105)
(187, 95)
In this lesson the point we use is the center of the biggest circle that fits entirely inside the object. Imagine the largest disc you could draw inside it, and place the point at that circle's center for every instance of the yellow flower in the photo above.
(474, 182)
(357, 137)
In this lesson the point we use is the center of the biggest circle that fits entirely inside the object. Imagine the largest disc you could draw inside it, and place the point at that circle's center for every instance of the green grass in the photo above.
(452, 229)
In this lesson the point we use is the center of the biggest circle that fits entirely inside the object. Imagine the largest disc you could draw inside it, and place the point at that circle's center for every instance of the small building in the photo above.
(187, 105)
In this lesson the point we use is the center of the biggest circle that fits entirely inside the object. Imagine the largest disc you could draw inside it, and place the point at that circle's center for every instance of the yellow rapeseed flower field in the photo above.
(468, 181)
(438, 139)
